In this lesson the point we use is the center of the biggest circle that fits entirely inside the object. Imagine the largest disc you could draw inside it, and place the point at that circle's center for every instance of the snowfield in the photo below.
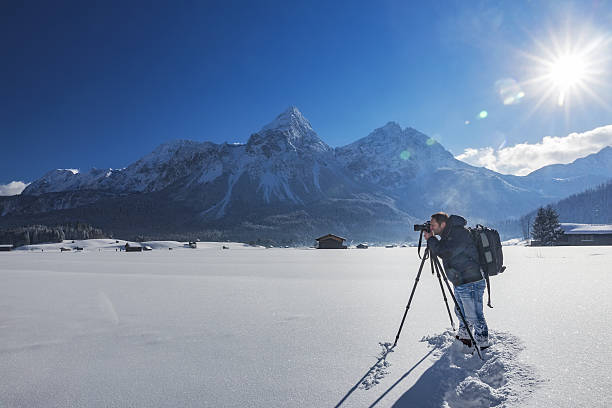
(255, 327)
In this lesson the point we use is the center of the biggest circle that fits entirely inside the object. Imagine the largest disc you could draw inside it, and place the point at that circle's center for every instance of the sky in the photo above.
(101, 84)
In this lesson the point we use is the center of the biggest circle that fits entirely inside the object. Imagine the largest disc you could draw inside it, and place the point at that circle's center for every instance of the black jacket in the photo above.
(458, 252)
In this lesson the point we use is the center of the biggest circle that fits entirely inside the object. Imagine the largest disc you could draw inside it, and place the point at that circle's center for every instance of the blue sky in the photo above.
(101, 85)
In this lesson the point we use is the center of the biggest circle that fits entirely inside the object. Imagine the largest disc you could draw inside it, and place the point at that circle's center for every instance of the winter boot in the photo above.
(467, 342)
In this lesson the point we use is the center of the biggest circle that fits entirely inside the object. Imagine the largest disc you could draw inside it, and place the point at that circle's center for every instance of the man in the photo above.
(460, 259)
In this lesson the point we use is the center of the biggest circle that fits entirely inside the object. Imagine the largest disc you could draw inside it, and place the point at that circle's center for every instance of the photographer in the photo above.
(460, 258)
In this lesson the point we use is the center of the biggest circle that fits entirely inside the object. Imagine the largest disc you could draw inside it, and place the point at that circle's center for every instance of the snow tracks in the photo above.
(459, 379)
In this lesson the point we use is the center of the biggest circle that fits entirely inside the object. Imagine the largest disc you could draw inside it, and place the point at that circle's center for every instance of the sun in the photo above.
(567, 72)
(570, 67)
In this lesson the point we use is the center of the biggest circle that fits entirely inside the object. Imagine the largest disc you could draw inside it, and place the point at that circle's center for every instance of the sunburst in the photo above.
(576, 68)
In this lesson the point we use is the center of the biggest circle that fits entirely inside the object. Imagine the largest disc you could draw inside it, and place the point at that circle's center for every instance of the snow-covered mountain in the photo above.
(285, 178)
(284, 161)
(424, 177)
(557, 181)
(284, 175)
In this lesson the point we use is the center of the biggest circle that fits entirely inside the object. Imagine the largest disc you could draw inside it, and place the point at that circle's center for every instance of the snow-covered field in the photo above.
(255, 327)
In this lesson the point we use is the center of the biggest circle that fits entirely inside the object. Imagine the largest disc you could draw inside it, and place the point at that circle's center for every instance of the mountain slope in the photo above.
(287, 182)
(557, 181)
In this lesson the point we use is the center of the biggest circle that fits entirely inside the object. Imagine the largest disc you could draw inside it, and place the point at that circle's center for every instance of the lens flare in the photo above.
(509, 91)
(431, 141)
(405, 155)
(483, 114)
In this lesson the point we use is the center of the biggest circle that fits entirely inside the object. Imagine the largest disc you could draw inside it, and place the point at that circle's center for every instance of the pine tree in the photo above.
(538, 231)
(546, 227)
(554, 227)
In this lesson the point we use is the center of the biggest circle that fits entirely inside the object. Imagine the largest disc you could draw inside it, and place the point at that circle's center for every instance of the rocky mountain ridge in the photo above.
(285, 177)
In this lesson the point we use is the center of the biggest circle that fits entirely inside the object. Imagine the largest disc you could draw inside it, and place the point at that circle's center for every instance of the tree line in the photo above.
(38, 234)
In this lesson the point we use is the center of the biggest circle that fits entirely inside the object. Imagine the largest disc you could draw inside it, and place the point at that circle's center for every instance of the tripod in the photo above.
(437, 268)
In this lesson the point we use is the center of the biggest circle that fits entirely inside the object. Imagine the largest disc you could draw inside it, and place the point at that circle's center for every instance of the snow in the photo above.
(571, 228)
(290, 118)
(112, 244)
(515, 241)
(254, 327)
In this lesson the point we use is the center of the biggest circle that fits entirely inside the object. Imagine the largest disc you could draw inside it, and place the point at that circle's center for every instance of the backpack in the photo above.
(491, 257)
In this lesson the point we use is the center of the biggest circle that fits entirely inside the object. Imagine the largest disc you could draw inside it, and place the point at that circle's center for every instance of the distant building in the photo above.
(65, 249)
(362, 246)
(6, 247)
(132, 248)
(193, 244)
(331, 241)
(585, 234)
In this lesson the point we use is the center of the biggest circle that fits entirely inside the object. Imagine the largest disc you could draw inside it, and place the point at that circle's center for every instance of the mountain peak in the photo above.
(289, 131)
(290, 118)
(393, 126)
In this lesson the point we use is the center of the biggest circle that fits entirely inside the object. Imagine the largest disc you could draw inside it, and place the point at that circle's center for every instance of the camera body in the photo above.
(423, 227)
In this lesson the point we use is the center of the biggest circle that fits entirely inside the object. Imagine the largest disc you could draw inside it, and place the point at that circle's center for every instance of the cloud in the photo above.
(522, 159)
(12, 188)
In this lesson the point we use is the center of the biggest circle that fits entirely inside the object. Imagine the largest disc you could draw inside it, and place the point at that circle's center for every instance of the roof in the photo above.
(6, 245)
(330, 236)
(574, 229)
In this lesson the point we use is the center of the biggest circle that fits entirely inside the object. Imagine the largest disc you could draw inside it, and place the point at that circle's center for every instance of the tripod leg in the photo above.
(450, 316)
(416, 281)
(467, 326)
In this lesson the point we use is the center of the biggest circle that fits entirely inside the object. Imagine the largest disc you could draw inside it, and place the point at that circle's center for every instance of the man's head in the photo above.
(438, 222)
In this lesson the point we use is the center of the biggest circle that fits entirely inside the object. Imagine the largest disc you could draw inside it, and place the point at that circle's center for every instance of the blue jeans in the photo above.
(469, 298)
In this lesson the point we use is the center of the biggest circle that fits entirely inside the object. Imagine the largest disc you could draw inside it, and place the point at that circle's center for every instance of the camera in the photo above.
(423, 227)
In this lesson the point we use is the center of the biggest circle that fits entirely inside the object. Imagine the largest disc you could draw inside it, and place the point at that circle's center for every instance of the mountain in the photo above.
(557, 181)
(424, 177)
(286, 184)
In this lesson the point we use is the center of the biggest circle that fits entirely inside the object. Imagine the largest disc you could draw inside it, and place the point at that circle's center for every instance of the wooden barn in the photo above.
(331, 241)
(132, 248)
(6, 247)
(586, 234)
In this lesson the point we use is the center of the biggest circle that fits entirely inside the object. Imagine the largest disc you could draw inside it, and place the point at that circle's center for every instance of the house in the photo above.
(331, 241)
(193, 244)
(65, 249)
(362, 246)
(6, 247)
(585, 234)
(132, 248)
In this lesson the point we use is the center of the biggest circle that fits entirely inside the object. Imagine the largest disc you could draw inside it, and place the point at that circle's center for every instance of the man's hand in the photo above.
(427, 234)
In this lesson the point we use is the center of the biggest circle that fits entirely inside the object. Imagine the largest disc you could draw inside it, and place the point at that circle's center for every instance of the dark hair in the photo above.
(440, 217)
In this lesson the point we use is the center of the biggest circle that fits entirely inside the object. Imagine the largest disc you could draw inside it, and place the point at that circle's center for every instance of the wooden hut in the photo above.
(6, 247)
(132, 248)
(585, 234)
(331, 241)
